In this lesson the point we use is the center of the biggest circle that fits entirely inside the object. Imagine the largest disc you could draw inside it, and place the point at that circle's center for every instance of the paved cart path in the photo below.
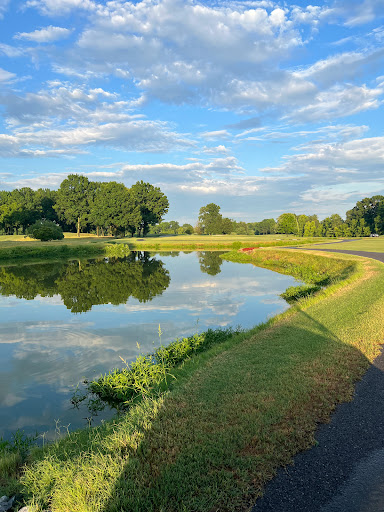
(344, 472)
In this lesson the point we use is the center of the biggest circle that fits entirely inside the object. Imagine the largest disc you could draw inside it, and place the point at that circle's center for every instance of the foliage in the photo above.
(266, 226)
(73, 200)
(111, 207)
(287, 223)
(45, 230)
(210, 219)
(149, 206)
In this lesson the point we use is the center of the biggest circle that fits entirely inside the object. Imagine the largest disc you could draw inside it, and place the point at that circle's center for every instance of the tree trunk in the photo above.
(97, 231)
(78, 227)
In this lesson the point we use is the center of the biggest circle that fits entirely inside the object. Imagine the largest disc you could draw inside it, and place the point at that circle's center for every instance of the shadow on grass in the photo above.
(223, 434)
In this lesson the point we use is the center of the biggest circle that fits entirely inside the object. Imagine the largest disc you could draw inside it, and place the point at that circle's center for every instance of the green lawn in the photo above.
(365, 244)
(230, 417)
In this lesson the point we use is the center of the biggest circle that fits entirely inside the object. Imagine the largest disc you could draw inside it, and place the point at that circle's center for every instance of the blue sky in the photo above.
(262, 107)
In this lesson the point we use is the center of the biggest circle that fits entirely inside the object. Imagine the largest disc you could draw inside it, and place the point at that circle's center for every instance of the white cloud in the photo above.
(57, 120)
(215, 149)
(60, 7)
(6, 76)
(338, 101)
(44, 35)
(3, 7)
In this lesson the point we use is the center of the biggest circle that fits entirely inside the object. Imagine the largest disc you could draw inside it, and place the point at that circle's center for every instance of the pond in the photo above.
(61, 322)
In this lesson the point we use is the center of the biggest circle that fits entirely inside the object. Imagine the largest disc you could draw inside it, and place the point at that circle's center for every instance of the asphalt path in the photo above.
(344, 472)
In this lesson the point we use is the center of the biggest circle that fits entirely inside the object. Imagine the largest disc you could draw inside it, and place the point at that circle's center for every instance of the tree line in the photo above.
(83, 205)
(364, 219)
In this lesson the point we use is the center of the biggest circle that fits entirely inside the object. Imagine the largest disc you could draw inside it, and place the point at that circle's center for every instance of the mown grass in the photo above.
(230, 416)
(364, 244)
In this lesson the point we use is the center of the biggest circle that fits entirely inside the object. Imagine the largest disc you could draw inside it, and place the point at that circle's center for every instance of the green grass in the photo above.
(365, 244)
(213, 436)
(154, 242)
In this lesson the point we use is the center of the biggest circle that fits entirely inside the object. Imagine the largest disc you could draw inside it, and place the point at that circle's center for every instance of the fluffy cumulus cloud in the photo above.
(61, 119)
(229, 54)
(335, 173)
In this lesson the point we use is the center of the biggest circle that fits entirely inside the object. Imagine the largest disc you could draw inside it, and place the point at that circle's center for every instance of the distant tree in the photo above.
(241, 228)
(226, 226)
(210, 219)
(174, 226)
(149, 205)
(309, 228)
(287, 223)
(46, 198)
(368, 209)
(45, 230)
(72, 200)
(265, 227)
(187, 229)
(26, 207)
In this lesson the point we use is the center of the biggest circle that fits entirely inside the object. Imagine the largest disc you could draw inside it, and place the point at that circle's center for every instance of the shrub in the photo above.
(45, 230)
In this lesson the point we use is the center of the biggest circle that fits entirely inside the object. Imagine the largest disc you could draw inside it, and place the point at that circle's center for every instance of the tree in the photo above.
(368, 209)
(287, 223)
(111, 206)
(265, 227)
(210, 219)
(226, 226)
(149, 206)
(72, 200)
(47, 199)
(187, 229)
(174, 226)
(45, 230)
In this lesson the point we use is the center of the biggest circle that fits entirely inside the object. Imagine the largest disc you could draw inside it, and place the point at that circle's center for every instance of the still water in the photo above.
(61, 322)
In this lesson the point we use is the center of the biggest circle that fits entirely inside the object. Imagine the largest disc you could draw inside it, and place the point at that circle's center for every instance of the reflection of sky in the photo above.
(46, 350)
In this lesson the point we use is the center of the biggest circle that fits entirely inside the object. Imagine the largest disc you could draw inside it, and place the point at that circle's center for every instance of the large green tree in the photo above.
(371, 209)
(73, 200)
(210, 219)
(149, 204)
(287, 223)
(110, 207)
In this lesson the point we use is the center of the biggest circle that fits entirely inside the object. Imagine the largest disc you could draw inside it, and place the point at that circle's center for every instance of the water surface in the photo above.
(63, 321)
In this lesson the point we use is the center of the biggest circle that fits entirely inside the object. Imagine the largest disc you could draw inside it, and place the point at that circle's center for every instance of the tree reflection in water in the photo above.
(210, 262)
(83, 284)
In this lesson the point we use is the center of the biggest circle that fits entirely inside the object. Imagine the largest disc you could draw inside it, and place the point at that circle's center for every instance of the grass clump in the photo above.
(121, 387)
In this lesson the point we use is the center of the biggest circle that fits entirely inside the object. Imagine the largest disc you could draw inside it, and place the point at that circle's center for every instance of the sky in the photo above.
(261, 107)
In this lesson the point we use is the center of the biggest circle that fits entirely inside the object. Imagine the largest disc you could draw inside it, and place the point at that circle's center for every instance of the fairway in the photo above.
(363, 244)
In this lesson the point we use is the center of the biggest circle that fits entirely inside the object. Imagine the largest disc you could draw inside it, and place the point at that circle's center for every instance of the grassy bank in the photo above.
(18, 247)
(226, 418)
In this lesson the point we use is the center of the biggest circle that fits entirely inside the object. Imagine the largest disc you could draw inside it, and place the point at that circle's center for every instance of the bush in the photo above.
(45, 230)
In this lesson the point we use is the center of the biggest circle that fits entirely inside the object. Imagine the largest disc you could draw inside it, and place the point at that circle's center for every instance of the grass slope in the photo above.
(230, 417)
